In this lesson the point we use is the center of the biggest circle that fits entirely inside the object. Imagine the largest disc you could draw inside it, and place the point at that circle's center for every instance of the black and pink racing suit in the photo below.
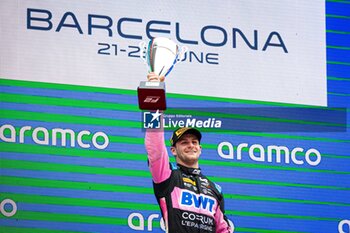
(188, 200)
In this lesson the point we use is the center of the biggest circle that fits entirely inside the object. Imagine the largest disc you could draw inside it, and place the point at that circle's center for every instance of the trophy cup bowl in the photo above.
(160, 55)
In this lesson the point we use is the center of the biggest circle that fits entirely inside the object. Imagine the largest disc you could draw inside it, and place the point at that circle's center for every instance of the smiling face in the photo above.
(187, 151)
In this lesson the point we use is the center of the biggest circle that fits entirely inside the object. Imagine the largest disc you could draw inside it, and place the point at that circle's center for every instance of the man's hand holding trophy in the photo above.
(161, 54)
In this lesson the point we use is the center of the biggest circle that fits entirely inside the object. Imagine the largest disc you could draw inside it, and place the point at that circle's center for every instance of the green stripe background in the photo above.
(47, 117)
(28, 99)
(34, 84)
(50, 200)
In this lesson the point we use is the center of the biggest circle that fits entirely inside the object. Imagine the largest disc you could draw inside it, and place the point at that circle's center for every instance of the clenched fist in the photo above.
(153, 77)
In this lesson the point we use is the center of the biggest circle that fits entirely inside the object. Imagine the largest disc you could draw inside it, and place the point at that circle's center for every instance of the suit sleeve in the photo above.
(157, 155)
(221, 221)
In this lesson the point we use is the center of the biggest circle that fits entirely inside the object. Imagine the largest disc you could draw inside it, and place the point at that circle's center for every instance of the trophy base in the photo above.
(151, 95)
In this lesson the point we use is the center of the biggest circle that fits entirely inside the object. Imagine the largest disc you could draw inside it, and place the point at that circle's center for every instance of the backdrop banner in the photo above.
(273, 52)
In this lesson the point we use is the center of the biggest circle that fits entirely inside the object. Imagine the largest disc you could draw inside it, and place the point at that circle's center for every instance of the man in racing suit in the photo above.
(188, 200)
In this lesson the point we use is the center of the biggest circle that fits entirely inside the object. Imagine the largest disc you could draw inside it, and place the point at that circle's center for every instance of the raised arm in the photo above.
(157, 155)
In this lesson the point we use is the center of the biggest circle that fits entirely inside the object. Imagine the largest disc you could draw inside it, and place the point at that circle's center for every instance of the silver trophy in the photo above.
(161, 54)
